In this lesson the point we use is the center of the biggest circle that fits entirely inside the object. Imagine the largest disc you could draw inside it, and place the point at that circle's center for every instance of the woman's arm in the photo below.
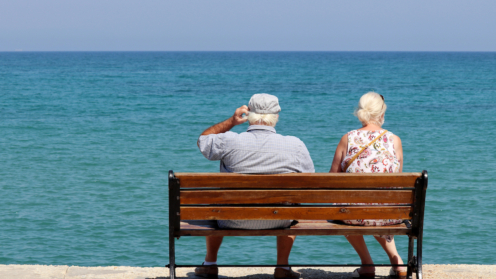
(339, 155)
(399, 150)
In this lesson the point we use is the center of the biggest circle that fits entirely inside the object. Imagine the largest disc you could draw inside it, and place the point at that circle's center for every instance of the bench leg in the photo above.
(410, 262)
(172, 257)
(419, 257)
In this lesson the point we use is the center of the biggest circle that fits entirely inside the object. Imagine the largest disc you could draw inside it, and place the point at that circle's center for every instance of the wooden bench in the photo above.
(196, 199)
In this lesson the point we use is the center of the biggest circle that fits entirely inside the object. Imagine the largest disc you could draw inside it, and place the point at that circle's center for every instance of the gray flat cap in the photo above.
(264, 104)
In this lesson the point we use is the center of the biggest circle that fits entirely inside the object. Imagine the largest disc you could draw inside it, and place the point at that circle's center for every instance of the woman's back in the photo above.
(380, 157)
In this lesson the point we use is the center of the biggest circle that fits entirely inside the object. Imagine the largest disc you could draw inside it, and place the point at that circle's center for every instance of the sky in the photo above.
(250, 25)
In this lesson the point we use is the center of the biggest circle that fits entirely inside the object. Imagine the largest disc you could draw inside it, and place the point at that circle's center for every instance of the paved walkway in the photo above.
(129, 272)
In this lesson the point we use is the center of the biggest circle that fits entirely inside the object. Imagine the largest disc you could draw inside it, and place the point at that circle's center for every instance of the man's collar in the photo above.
(261, 127)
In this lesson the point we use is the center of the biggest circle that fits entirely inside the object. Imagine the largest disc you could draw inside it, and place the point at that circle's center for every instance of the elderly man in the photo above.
(259, 150)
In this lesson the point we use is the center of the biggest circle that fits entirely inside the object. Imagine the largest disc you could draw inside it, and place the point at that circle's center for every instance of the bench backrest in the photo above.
(229, 196)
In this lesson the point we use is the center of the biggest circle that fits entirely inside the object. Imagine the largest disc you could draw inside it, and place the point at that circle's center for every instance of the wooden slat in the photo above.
(296, 180)
(304, 227)
(295, 196)
(294, 213)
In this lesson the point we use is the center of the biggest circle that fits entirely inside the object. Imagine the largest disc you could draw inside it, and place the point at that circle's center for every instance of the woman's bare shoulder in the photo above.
(344, 139)
(395, 137)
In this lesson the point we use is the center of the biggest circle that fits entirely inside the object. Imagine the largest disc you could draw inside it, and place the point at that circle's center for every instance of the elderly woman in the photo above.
(384, 155)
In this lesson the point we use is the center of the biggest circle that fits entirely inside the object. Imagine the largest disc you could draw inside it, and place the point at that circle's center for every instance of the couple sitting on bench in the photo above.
(260, 150)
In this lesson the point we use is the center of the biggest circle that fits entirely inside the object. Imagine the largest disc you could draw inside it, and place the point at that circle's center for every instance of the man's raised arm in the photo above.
(229, 123)
(210, 141)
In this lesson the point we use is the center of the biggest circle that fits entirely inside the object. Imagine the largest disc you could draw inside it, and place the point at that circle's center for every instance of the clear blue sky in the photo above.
(303, 25)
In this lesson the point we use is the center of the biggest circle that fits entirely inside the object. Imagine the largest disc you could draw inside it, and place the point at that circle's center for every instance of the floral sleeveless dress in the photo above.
(380, 157)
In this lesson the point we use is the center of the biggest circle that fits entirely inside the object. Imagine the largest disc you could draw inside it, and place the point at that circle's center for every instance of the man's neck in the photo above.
(260, 124)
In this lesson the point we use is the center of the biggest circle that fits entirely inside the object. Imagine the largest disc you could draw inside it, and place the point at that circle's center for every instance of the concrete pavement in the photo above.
(129, 272)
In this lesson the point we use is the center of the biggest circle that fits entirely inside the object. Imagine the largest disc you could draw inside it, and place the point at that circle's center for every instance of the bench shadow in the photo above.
(250, 276)
(306, 273)
(319, 273)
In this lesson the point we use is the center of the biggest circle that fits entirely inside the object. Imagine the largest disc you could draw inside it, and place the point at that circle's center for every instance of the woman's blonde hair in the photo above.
(370, 109)
(263, 119)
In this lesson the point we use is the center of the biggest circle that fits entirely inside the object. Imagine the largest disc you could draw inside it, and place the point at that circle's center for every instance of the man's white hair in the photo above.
(263, 119)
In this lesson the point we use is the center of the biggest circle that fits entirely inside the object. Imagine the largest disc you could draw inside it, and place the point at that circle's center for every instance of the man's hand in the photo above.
(237, 118)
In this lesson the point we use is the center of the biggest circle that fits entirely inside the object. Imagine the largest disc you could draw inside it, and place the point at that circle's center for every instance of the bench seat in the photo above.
(304, 227)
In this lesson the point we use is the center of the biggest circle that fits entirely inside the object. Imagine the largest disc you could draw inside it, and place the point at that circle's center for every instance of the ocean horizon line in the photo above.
(253, 51)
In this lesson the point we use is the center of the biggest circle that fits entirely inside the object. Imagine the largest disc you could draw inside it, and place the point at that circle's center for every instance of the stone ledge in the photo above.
(431, 271)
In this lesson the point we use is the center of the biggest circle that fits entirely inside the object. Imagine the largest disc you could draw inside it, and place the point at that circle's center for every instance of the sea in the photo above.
(87, 140)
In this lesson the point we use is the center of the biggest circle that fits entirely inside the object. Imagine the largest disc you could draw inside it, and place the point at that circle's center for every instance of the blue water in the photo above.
(87, 140)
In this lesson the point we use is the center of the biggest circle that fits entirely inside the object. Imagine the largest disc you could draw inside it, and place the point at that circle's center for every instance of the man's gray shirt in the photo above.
(259, 150)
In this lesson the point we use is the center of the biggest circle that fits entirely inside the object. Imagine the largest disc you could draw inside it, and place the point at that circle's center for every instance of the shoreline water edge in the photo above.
(72, 272)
